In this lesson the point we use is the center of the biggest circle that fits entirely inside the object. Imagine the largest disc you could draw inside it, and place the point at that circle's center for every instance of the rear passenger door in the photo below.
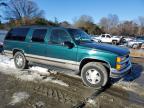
(37, 44)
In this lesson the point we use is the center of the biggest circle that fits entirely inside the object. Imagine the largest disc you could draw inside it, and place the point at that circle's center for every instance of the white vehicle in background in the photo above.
(137, 42)
(107, 38)
(94, 38)
(127, 39)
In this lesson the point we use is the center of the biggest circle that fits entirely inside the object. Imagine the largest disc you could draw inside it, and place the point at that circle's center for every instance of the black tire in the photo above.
(24, 63)
(135, 46)
(99, 41)
(114, 42)
(100, 69)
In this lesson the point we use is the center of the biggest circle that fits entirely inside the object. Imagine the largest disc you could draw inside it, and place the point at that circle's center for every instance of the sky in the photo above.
(68, 10)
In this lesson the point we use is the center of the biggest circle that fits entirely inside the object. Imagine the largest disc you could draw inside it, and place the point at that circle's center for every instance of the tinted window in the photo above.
(39, 35)
(17, 34)
(103, 35)
(59, 36)
(108, 36)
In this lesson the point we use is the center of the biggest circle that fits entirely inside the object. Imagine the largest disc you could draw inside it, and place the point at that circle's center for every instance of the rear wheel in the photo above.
(94, 75)
(20, 61)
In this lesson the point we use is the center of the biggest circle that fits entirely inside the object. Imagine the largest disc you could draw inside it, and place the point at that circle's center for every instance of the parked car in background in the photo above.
(67, 48)
(2, 36)
(127, 39)
(95, 39)
(136, 43)
(107, 38)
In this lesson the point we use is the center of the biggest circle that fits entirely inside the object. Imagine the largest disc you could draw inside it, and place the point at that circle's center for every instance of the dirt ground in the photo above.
(137, 52)
(17, 93)
(48, 95)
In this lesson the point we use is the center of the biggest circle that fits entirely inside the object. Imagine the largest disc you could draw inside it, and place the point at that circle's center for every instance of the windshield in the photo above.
(79, 35)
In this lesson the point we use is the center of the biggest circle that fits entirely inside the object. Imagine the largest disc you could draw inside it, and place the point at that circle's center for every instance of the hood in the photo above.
(106, 47)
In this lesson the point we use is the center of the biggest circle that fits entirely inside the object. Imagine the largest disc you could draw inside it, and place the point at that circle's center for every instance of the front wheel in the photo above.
(94, 75)
(20, 61)
(114, 42)
(135, 46)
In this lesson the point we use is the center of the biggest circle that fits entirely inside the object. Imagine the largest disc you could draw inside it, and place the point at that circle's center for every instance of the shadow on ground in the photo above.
(134, 74)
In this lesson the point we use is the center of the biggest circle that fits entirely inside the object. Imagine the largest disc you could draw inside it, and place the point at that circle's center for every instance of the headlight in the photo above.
(118, 62)
(119, 59)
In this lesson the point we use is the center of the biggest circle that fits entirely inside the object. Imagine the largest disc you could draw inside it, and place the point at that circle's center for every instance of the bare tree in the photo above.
(114, 20)
(128, 28)
(86, 18)
(109, 22)
(86, 23)
(141, 25)
(104, 23)
(82, 20)
(65, 24)
(2, 3)
(20, 9)
(141, 21)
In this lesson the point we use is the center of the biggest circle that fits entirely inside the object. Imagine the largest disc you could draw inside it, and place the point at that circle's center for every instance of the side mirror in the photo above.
(68, 44)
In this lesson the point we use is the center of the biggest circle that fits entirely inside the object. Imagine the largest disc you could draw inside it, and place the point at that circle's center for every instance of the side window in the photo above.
(18, 34)
(108, 36)
(103, 36)
(39, 35)
(59, 36)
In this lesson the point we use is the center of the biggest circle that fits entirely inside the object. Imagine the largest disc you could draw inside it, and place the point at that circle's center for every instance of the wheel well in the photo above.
(105, 64)
(16, 50)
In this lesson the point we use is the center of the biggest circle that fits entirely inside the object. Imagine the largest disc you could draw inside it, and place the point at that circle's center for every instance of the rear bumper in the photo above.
(117, 74)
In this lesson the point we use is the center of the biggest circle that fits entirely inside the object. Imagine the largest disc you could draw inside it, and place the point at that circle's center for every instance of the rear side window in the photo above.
(18, 34)
(39, 35)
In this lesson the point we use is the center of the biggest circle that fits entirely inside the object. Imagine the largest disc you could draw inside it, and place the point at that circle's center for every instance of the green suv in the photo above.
(67, 48)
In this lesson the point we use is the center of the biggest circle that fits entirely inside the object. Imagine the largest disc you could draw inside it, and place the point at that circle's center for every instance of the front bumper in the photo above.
(117, 74)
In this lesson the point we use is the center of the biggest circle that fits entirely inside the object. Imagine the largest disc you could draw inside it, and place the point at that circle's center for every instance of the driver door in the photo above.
(108, 38)
(59, 53)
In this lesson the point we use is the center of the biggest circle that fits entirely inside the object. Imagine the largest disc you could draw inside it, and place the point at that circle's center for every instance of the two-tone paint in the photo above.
(62, 56)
